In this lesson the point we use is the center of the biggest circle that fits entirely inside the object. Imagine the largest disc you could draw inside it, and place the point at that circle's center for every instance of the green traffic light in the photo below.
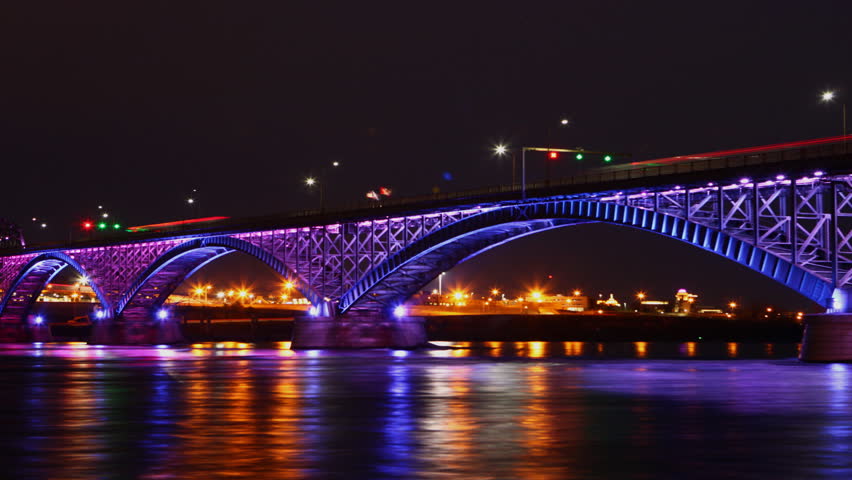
(579, 156)
(607, 158)
(116, 226)
(102, 226)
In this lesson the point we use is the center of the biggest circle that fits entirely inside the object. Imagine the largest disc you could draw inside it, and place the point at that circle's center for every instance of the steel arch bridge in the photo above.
(355, 267)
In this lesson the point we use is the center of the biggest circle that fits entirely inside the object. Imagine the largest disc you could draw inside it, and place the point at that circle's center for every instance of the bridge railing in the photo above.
(508, 192)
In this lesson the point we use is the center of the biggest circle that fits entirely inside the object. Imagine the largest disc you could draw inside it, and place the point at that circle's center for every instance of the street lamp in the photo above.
(502, 150)
(320, 182)
(829, 96)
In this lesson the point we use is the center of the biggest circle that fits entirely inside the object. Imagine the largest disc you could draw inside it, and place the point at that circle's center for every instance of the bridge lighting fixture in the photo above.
(780, 177)
(710, 184)
(744, 180)
(39, 320)
(162, 314)
(100, 314)
(399, 311)
(819, 173)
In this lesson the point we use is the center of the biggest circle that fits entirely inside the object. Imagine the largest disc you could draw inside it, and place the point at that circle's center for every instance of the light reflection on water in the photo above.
(532, 410)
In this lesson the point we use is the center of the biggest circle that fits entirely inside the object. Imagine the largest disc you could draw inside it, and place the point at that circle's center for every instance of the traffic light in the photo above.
(579, 156)
(553, 155)
(102, 226)
(607, 158)
(116, 226)
(87, 225)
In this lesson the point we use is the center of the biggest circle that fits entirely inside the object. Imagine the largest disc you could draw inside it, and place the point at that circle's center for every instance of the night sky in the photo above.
(132, 105)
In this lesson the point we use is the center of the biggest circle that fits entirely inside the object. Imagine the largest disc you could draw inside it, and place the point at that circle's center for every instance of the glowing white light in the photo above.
(399, 311)
(827, 96)
(780, 177)
(710, 184)
(162, 314)
(100, 314)
(500, 149)
(310, 181)
(335, 164)
(190, 201)
(564, 121)
(400, 353)
(313, 311)
(161, 346)
(819, 173)
(39, 320)
(744, 180)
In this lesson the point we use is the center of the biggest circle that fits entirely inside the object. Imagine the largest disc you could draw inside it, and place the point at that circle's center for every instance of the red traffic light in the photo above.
(553, 155)
(87, 225)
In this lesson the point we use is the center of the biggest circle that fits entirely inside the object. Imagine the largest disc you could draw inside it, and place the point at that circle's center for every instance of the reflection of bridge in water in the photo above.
(783, 210)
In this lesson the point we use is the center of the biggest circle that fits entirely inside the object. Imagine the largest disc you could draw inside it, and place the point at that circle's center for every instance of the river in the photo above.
(497, 410)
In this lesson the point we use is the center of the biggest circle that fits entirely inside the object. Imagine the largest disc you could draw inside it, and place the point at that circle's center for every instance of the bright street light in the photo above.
(829, 96)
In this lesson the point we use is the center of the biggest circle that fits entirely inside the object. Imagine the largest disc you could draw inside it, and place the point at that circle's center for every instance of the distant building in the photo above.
(654, 306)
(609, 304)
(576, 303)
(57, 292)
(684, 301)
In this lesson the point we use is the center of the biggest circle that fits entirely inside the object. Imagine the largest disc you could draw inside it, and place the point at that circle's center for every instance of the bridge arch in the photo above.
(31, 280)
(153, 286)
(404, 273)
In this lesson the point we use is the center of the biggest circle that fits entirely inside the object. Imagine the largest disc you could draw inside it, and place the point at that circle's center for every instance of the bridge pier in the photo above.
(154, 332)
(359, 330)
(827, 338)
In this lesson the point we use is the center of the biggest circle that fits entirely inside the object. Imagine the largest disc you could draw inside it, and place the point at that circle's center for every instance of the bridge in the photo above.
(782, 210)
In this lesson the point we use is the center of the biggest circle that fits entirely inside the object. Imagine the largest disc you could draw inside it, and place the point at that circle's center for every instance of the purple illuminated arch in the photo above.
(161, 278)
(32, 279)
(404, 273)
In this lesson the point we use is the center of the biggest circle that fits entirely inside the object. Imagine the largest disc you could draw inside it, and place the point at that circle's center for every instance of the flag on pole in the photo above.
(372, 194)
(385, 191)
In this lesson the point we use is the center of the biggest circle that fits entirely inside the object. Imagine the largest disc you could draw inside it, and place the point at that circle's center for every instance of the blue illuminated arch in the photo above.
(404, 273)
(180, 262)
(43, 269)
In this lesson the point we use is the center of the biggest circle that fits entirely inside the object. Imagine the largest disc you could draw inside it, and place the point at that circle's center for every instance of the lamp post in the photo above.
(829, 96)
(320, 182)
(501, 150)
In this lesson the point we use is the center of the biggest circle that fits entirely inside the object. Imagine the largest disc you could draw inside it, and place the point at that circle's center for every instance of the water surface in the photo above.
(530, 410)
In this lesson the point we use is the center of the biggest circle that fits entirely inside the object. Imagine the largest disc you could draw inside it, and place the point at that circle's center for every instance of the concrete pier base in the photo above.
(827, 338)
(137, 333)
(359, 331)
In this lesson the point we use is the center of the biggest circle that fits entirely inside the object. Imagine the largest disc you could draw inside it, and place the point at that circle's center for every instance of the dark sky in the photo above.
(133, 104)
